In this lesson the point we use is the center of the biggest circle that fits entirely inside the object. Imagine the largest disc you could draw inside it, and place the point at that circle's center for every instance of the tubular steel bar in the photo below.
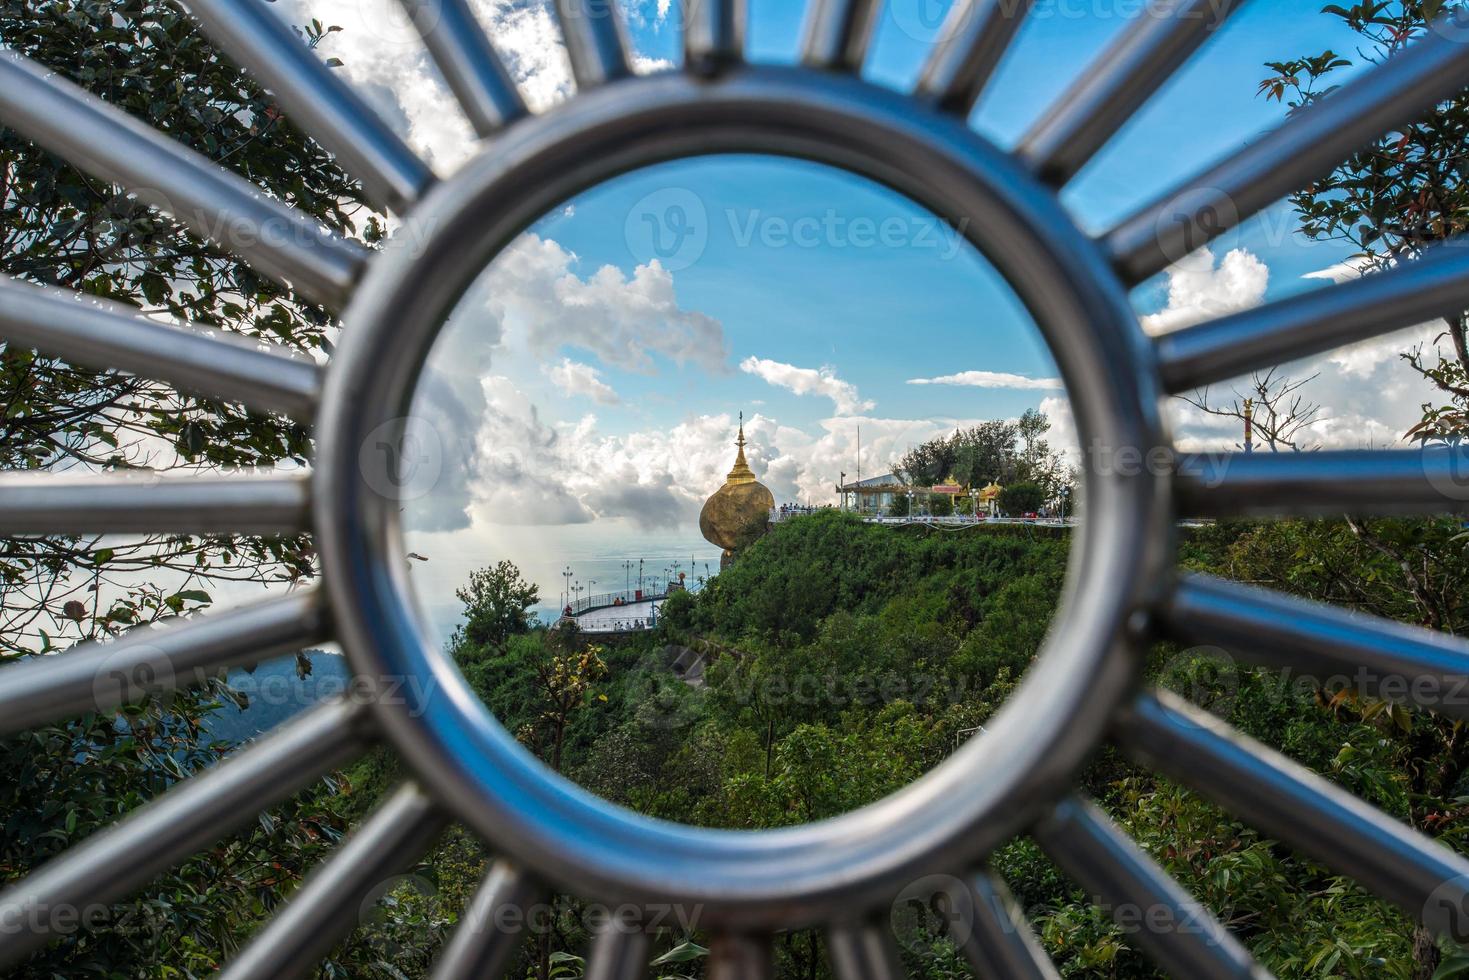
(1359, 481)
(216, 204)
(1307, 145)
(1377, 657)
(863, 951)
(101, 334)
(1294, 805)
(812, 875)
(619, 952)
(1415, 291)
(137, 503)
(1178, 933)
(997, 940)
(185, 819)
(735, 957)
(838, 33)
(316, 98)
(147, 662)
(595, 41)
(714, 34)
(468, 62)
(487, 935)
(1157, 42)
(974, 38)
(332, 898)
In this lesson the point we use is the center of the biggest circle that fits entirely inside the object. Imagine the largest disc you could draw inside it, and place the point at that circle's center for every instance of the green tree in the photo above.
(1398, 196)
(1022, 498)
(497, 604)
(59, 227)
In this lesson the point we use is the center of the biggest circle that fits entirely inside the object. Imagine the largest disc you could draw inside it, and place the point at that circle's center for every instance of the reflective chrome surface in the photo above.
(841, 875)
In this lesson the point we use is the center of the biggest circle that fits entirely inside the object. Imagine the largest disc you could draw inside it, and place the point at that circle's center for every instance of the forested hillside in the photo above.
(847, 659)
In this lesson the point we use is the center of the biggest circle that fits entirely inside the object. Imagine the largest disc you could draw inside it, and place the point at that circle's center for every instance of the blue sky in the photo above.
(585, 393)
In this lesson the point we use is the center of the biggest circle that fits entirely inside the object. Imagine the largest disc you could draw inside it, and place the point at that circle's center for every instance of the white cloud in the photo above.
(990, 379)
(1199, 289)
(809, 381)
(534, 290)
(384, 58)
(1368, 396)
(577, 379)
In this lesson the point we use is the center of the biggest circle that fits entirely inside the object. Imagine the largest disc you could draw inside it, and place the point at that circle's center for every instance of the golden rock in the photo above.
(739, 512)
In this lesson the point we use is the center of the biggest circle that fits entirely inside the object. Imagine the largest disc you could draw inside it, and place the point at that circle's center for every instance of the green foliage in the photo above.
(60, 227)
(1022, 498)
(1398, 196)
(995, 451)
(497, 604)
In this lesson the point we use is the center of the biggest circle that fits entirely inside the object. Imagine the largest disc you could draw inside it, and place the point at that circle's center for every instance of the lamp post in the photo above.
(566, 587)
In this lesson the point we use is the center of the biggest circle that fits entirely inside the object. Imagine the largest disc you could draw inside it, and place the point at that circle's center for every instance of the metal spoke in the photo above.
(1288, 802)
(1414, 292)
(330, 900)
(1115, 86)
(863, 951)
(733, 957)
(619, 952)
(974, 38)
(139, 503)
(714, 34)
(316, 99)
(216, 204)
(1307, 145)
(100, 334)
(1358, 481)
(838, 33)
(491, 927)
(595, 41)
(468, 62)
(185, 819)
(147, 662)
(1172, 927)
(1377, 657)
(998, 942)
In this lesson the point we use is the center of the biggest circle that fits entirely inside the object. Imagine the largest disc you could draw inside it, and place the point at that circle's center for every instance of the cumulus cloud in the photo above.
(529, 470)
(809, 381)
(534, 290)
(531, 299)
(384, 58)
(577, 379)
(1201, 287)
(990, 379)
(1367, 396)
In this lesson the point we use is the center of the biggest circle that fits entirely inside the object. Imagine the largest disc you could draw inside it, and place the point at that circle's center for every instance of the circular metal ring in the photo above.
(984, 793)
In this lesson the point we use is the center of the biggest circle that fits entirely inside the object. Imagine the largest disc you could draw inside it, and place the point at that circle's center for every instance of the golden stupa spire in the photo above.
(741, 473)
